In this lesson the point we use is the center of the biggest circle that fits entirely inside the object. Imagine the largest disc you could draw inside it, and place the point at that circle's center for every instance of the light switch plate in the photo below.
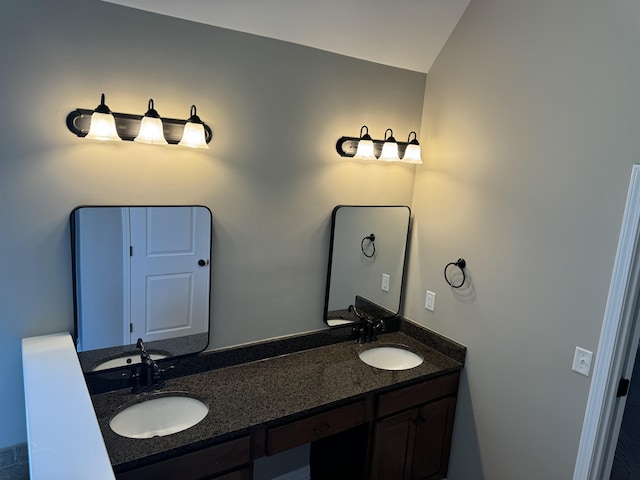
(582, 361)
(430, 301)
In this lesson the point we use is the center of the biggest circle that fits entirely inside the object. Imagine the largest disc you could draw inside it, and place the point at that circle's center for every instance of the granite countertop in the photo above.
(267, 392)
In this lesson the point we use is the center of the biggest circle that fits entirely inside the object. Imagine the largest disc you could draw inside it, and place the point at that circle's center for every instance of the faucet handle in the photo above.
(134, 381)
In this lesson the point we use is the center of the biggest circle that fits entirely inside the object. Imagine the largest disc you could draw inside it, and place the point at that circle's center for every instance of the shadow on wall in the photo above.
(465, 437)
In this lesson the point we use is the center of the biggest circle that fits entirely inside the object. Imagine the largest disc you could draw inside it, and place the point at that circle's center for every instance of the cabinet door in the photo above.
(392, 446)
(433, 439)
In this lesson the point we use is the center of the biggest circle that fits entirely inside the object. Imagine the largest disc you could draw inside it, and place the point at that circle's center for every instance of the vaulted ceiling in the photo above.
(401, 33)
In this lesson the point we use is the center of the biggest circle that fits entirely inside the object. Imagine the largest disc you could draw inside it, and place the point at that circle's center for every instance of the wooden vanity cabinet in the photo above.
(403, 434)
(226, 461)
(412, 433)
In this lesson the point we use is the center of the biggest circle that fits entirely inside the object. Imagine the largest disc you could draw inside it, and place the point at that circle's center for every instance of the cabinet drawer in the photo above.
(196, 465)
(418, 394)
(315, 427)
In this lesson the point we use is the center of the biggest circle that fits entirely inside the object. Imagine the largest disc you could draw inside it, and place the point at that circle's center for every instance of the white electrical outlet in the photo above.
(582, 361)
(385, 282)
(430, 301)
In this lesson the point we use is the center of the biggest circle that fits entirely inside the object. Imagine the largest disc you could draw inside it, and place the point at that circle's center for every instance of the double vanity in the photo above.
(358, 418)
(374, 396)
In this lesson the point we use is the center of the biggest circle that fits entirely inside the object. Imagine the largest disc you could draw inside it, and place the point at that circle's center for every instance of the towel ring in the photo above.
(461, 264)
(372, 239)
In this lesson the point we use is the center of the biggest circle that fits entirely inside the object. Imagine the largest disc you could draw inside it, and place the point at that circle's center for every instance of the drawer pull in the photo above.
(321, 428)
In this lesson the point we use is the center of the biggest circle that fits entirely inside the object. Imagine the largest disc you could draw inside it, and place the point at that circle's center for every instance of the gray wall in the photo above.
(529, 129)
(531, 123)
(271, 178)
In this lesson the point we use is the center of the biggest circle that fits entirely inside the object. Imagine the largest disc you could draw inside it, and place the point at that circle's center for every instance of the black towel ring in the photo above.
(372, 239)
(461, 264)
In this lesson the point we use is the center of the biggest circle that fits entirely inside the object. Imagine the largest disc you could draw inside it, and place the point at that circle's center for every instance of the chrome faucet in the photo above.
(147, 378)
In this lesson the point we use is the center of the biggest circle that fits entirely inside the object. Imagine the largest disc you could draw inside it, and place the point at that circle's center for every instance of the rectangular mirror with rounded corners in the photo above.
(366, 262)
(140, 272)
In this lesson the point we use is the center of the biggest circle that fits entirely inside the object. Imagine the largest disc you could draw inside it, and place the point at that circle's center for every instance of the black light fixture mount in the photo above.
(128, 125)
(347, 146)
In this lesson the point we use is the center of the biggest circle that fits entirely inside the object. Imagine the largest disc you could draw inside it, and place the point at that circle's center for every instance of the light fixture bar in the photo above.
(347, 146)
(128, 126)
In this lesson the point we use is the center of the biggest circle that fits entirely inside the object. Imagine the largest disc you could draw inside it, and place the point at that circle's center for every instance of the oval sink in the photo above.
(159, 416)
(125, 360)
(391, 358)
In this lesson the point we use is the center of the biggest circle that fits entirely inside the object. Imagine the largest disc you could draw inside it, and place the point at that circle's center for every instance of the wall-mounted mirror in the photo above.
(140, 272)
(366, 261)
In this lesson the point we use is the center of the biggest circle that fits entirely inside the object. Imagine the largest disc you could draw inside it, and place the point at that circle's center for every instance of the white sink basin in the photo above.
(391, 358)
(159, 416)
(125, 360)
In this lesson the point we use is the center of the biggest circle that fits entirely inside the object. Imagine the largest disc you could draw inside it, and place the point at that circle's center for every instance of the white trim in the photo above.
(63, 434)
(600, 410)
(126, 276)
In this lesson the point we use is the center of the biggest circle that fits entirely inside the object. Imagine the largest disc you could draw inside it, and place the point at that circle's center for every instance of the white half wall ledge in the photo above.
(63, 434)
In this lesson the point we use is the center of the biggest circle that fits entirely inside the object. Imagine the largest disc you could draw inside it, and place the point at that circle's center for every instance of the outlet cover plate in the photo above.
(430, 301)
(385, 282)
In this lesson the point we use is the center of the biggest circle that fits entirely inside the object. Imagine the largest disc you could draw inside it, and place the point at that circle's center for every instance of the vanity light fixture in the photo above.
(151, 130)
(366, 148)
(103, 125)
(389, 148)
(134, 127)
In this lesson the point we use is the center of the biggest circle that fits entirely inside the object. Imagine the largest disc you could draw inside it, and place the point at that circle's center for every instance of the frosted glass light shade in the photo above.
(102, 127)
(389, 148)
(193, 136)
(390, 152)
(412, 154)
(151, 131)
(365, 150)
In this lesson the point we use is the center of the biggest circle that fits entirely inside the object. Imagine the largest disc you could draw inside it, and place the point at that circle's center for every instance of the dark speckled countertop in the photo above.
(271, 391)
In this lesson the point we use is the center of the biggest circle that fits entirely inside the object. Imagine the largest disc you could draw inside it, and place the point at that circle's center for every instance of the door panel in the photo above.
(168, 284)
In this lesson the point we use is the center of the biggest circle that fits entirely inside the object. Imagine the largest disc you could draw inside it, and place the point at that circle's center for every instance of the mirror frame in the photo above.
(90, 358)
(362, 303)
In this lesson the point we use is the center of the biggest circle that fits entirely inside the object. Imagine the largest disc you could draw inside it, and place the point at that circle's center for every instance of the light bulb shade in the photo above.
(412, 154)
(389, 148)
(151, 130)
(365, 150)
(102, 127)
(193, 136)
